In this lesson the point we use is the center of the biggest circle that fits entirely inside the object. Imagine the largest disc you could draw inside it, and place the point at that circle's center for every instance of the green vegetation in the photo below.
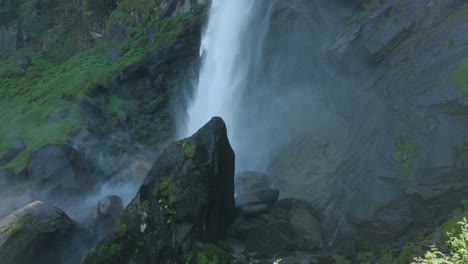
(100, 6)
(207, 253)
(404, 154)
(19, 225)
(67, 62)
(339, 259)
(461, 153)
(367, 9)
(188, 147)
(364, 257)
(458, 245)
(168, 196)
(40, 90)
(460, 77)
(120, 227)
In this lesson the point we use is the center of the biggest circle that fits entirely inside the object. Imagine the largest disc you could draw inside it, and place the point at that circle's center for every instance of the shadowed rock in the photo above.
(188, 196)
(40, 233)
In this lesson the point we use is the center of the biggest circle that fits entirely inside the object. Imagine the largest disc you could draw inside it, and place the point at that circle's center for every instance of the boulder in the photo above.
(264, 196)
(188, 196)
(290, 225)
(50, 168)
(109, 210)
(58, 115)
(24, 62)
(40, 233)
(248, 181)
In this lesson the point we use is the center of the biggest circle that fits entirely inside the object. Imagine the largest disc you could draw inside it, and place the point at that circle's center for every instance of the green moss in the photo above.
(461, 153)
(168, 196)
(188, 147)
(407, 253)
(339, 259)
(207, 253)
(120, 228)
(364, 257)
(404, 154)
(460, 77)
(41, 89)
(27, 219)
(145, 205)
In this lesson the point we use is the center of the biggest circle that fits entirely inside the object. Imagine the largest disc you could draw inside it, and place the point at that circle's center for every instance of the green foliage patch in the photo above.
(404, 154)
(460, 77)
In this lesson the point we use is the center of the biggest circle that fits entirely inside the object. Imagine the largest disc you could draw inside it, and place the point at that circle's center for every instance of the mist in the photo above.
(280, 88)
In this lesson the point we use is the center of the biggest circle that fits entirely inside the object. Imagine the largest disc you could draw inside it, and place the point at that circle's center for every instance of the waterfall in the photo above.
(222, 74)
(230, 47)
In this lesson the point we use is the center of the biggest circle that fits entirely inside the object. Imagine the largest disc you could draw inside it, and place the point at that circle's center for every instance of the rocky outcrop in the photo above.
(108, 212)
(40, 233)
(188, 196)
(290, 225)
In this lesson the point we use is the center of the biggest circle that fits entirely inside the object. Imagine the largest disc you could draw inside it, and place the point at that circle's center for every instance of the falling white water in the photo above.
(222, 77)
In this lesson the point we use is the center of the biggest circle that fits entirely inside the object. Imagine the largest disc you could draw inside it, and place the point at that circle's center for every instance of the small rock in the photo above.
(110, 207)
(115, 54)
(24, 62)
(17, 145)
(254, 210)
(264, 196)
(58, 115)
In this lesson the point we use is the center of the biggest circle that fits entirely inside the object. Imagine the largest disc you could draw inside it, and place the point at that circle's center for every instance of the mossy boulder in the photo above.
(187, 196)
(40, 233)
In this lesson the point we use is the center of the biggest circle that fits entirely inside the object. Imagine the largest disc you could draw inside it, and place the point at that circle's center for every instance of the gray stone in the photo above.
(248, 181)
(50, 168)
(264, 196)
(58, 115)
(24, 62)
(40, 233)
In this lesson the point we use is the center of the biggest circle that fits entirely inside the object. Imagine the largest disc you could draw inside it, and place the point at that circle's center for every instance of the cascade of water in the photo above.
(222, 73)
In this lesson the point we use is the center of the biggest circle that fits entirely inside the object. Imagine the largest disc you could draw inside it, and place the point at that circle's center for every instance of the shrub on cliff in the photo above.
(458, 245)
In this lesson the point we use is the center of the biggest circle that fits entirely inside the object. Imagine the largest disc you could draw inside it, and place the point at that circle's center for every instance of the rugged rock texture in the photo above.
(40, 233)
(290, 225)
(188, 196)
(399, 171)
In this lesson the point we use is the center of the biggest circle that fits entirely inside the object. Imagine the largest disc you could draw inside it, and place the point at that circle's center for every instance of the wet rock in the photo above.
(58, 115)
(187, 196)
(110, 207)
(8, 36)
(40, 233)
(253, 210)
(116, 53)
(248, 181)
(290, 225)
(50, 168)
(264, 196)
(109, 210)
(24, 62)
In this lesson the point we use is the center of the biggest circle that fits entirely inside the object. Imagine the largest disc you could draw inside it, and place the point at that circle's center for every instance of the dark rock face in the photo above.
(58, 172)
(109, 210)
(40, 233)
(187, 196)
(9, 36)
(290, 225)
